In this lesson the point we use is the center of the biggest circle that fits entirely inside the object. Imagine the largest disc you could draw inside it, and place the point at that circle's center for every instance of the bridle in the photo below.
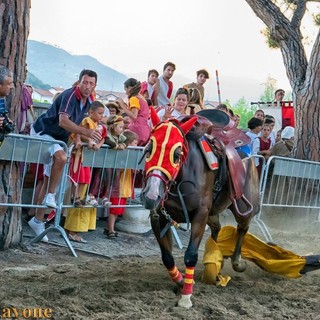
(167, 183)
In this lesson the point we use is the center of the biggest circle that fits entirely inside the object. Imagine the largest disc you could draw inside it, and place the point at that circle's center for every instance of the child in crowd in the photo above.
(78, 173)
(255, 126)
(222, 107)
(122, 188)
(114, 108)
(116, 140)
(270, 120)
(126, 121)
(83, 219)
(259, 114)
(195, 104)
(101, 179)
(278, 136)
(262, 145)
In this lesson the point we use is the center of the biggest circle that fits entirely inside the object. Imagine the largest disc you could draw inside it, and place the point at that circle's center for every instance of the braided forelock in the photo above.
(135, 89)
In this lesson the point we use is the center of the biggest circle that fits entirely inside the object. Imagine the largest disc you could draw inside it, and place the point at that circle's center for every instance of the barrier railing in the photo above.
(289, 183)
(285, 182)
(32, 151)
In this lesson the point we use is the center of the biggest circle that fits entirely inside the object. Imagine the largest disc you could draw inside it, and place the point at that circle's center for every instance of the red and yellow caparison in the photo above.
(169, 147)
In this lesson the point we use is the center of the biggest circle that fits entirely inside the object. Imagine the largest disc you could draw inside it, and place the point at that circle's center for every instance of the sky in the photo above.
(135, 36)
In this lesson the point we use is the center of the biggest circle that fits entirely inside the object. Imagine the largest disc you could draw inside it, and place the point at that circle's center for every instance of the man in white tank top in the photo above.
(164, 86)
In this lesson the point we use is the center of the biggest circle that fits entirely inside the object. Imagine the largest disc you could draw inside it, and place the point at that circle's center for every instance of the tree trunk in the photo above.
(14, 31)
(303, 75)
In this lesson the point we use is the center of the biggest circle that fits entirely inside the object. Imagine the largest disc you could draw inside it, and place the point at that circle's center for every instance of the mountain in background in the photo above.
(58, 68)
(35, 82)
(51, 66)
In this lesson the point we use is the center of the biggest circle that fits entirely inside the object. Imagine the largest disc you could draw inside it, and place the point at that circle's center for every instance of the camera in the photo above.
(7, 125)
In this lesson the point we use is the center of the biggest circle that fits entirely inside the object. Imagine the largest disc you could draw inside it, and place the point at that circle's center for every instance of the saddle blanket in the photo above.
(210, 157)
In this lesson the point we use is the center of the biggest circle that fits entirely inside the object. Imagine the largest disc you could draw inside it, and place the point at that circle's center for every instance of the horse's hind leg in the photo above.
(238, 264)
(215, 226)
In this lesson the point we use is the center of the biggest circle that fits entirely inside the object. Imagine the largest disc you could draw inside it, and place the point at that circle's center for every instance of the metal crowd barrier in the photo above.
(289, 183)
(33, 151)
(285, 182)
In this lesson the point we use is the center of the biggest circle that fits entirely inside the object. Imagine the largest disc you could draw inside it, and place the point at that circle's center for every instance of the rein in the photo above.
(183, 204)
(168, 184)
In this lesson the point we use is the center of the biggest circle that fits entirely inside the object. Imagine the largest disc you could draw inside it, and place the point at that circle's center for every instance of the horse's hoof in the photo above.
(185, 301)
(240, 266)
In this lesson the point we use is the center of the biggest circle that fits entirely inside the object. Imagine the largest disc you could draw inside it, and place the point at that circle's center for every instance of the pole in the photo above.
(218, 86)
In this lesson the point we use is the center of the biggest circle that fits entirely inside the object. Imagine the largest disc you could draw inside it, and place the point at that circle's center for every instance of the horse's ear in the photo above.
(186, 126)
(154, 117)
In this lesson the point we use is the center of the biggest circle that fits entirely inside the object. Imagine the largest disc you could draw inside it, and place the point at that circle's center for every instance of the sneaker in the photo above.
(51, 215)
(50, 201)
(38, 228)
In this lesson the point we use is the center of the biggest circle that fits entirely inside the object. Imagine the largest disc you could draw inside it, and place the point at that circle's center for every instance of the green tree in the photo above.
(285, 29)
(270, 88)
(245, 111)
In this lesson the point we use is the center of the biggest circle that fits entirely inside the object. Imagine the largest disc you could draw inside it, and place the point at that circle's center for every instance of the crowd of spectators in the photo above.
(76, 117)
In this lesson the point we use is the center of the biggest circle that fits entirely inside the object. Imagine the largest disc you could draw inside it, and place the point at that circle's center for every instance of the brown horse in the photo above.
(180, 187)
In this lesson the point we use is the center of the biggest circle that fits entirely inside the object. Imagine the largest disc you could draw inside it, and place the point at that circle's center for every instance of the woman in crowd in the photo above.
(178, 109)
(137, 110)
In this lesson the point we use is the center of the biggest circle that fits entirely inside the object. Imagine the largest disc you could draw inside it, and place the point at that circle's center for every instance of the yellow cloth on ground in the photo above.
(213, 263)
(270, 258)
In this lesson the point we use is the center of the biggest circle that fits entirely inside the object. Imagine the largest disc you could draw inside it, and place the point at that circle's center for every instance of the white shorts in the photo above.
(52, 150)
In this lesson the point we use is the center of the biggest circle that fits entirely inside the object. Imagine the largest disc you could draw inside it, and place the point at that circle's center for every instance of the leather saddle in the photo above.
(223, 128)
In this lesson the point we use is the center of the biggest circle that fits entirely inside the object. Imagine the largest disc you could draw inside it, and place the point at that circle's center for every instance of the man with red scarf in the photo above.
(62, 119)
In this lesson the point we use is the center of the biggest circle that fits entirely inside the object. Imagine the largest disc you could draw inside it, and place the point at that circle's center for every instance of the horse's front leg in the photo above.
(238, 264)
(190, 260)
(165, 244)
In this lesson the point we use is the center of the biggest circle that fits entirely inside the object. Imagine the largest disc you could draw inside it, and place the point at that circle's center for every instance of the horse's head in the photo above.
(165, 153)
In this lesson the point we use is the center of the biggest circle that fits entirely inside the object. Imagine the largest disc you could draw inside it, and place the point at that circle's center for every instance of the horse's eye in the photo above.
(148, 150)
(176, 155)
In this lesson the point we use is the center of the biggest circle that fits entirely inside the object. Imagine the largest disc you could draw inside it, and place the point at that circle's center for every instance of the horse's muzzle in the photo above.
(151, 204)
(151, 201)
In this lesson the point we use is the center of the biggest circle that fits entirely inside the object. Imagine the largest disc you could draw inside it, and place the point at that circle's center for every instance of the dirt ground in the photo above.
(127, 280)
